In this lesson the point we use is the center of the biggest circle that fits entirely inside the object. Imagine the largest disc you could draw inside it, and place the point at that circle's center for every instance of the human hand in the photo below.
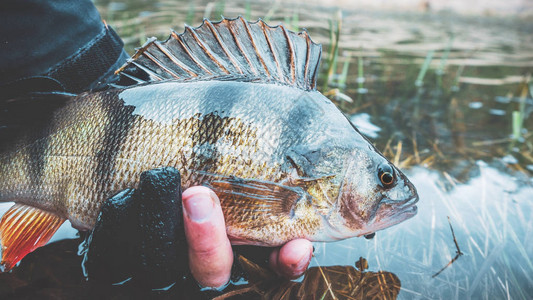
(210, 254)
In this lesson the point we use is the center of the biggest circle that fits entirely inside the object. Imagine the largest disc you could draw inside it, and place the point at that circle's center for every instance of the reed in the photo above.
(455, 84)
(248, 10)
(343, 76)
(292, 22)
(189, 19)
(334, 35)
(443, 60)
(519, 115)
(419, 82)
(219, 9)
(361, 90)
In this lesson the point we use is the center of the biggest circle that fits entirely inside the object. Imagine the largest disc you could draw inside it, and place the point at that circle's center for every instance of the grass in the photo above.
(360, 75)
(441, 69)
(519, 116)
(219, 9)
(419, 82)
(248, 10)
(292, 22)
(189, 19)
(333, 54)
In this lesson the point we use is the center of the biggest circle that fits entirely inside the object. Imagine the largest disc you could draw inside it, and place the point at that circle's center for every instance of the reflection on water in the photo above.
(332, 282)
(454, 132)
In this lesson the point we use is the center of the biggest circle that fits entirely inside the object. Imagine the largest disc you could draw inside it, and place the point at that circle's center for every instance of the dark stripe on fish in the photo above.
(298, 119)
(119, 121)
(29, 116)
(208, 131)
(226, 99)
(213, 124)
(36, 160)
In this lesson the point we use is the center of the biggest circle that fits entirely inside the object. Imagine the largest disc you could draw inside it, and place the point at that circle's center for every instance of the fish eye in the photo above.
(386, 175)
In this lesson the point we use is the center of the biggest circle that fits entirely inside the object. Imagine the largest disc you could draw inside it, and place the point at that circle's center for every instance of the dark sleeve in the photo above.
(61, 40)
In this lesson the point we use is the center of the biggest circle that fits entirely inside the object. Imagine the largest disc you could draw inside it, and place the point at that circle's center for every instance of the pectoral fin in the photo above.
(23, 229)
(256, 198)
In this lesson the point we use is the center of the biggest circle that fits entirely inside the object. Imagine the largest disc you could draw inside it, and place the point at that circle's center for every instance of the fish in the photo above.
(233, 106)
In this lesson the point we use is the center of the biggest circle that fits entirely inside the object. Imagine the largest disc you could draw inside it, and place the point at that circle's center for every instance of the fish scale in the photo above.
(243, 119)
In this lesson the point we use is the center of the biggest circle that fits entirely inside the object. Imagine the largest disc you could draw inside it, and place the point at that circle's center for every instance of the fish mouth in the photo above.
(392, 212)
(406, 207)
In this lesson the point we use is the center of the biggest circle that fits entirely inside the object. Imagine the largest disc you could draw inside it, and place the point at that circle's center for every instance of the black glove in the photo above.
(139, 234)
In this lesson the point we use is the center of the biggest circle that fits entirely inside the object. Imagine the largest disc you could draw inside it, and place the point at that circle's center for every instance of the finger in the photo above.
(293, 258)
(210, 254)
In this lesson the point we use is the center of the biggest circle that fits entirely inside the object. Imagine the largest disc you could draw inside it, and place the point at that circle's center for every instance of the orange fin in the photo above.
(23, 229)
(248, 196)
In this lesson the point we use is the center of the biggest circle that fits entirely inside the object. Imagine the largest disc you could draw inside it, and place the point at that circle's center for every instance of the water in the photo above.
(490, 218)
(449, 127)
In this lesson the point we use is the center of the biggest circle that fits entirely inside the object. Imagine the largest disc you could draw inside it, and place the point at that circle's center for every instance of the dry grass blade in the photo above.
(326, 280)
(458, 252)
(406, 162)
(398, 153)
(451, 180)
(415, 149)
(387, 151)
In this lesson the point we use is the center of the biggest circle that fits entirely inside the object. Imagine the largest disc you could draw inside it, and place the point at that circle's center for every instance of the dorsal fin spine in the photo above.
(223, 46)
(307, 59)
(292, 55)
(159, 64)
(273, 50)
(208, 51)
(170, 56)
(259, 56)
(147, 70)
(189, 52)
(316, 70)
(235, 38)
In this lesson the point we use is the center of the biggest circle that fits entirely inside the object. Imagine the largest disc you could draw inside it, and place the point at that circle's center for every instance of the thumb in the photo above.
(210, 254)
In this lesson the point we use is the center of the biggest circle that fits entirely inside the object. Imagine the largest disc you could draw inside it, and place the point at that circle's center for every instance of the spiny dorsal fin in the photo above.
(231, 47)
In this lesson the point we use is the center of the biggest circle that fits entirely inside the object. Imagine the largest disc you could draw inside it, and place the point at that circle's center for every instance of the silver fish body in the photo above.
(98, 144)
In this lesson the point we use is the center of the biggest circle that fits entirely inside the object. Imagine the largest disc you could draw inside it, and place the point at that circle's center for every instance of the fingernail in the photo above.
(199, 207)
(304, 262)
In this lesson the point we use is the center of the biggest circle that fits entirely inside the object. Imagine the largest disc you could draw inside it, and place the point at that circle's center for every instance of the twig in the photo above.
(458, 252)
(497, 141)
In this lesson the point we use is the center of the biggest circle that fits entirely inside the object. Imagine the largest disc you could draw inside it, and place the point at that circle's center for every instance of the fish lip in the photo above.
(409, 211)
(401, 203)
(391, 212)
(402, 207)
